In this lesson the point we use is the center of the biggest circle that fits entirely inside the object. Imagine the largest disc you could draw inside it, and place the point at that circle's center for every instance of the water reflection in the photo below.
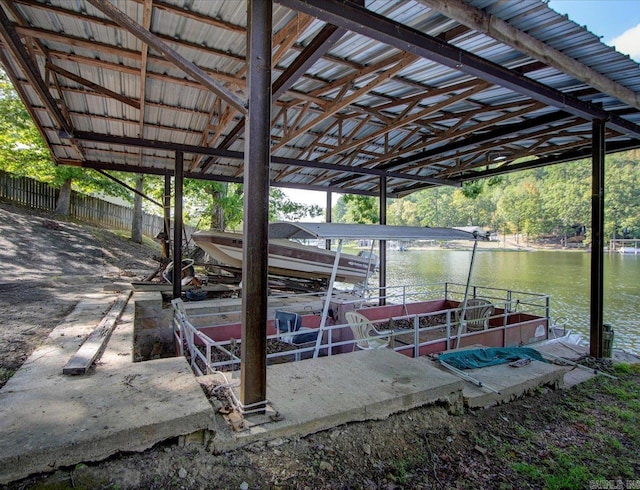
(565, 276)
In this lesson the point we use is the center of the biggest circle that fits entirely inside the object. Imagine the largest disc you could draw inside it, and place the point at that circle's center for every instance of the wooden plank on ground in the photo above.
(93, 347)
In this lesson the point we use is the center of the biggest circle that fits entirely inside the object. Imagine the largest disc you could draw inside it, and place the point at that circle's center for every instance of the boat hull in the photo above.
(286, 258)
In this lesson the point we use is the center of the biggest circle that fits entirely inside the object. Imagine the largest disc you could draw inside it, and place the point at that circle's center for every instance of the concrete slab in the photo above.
(576, 353)
(573, 375)
(510, 381)
(49, 420)
(318, 394)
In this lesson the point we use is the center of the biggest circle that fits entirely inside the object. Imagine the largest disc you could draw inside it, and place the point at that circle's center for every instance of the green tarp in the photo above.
(478, 358)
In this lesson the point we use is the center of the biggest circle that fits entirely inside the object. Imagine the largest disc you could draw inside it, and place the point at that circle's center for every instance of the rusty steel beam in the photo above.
(255, 285)
(237, 155)
(177, 225)
(382, 244)
(166, 215)
(214, 178)
(400, 36)
(597, 239)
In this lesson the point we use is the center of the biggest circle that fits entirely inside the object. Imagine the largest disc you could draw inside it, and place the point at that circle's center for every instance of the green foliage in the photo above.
(553, 200)
(622, 368)
(473, 189)
(23, 152)
(214, 205)
(356, 209)
(283, 208)
(561, 472)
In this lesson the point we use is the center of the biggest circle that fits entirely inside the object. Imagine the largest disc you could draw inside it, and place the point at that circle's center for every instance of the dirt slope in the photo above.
(45, 264)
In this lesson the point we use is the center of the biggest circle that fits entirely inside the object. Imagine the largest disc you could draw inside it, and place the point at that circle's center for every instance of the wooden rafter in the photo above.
(497, 28)
(146, 23)
(93, 86)
(282, 41)
(29, 67)
(550, 132)
(408, 118)
(197, 16)
(116, 67)
(342, 102)
(187, 66)
(80, 42)
(426, 141)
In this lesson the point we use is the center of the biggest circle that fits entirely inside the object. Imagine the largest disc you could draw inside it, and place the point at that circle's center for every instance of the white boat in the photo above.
(629, 250)
(286, 258)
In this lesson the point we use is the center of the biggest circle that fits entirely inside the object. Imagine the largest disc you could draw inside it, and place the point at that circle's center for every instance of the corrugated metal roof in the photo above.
(411, 122)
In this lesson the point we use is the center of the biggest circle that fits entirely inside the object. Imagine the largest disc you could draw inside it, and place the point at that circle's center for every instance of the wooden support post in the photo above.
(383, 243)
(597, 241)
(253, 348)
(177, 226)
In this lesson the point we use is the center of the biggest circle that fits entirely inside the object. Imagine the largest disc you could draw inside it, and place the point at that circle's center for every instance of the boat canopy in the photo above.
(348, 231)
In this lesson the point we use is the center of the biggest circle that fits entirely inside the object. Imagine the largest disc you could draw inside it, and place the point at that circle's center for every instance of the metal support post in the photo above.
(383, 243)
(327, 300)
(597, 241)
(166, 201)
(177, 226)
(463, 311)
(327, 215)
(253, 373)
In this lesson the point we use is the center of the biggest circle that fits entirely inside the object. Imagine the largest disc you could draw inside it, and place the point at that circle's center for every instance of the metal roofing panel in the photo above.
(179, 110)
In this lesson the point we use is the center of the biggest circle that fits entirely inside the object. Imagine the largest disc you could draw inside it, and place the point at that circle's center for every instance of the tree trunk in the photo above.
(63, 206)
(217, 212)
(136, 223)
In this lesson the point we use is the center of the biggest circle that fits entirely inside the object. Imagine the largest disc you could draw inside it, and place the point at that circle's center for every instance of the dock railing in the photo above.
(410, 334)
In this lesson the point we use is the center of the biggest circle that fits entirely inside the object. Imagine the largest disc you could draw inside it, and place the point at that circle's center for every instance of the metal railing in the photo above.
(405, 332)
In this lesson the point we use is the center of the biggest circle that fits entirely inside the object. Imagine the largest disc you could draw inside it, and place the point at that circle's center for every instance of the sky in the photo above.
(616, 22)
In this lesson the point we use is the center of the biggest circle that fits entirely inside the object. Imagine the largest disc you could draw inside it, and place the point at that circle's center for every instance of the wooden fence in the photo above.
(40, 195)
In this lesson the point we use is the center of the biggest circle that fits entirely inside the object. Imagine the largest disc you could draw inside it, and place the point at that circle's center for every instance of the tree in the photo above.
(622, 195)
(403, 212)
(434, 207)
(23, 152)
(358, 209)
(218, 204)
(566, 197)
(283, 208)
(136, 222)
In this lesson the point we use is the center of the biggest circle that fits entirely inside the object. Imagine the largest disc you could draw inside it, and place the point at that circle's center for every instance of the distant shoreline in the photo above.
(496, 246)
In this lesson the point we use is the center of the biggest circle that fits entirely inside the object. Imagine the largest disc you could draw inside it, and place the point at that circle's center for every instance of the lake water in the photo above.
(564, 276)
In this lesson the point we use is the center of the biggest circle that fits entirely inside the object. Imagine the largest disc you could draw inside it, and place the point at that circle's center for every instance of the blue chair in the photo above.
(288, 324)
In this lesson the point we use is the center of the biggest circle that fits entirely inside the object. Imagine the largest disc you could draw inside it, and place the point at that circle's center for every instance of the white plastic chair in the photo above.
(366, 335)
(476, 315)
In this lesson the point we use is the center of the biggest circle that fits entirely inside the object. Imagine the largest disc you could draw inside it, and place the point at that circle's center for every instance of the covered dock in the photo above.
(370, 98)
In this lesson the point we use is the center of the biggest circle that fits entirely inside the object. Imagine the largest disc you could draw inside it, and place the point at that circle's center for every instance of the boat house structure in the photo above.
(370, 97)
